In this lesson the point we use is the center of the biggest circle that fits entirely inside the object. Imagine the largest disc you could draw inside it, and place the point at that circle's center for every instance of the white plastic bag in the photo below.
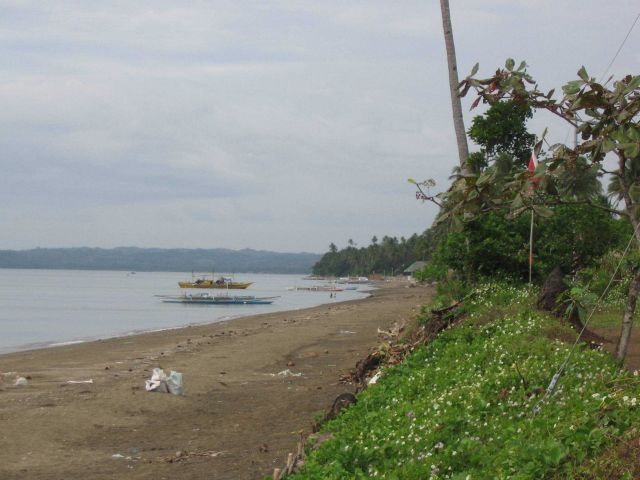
(161, 383)
(174, 383)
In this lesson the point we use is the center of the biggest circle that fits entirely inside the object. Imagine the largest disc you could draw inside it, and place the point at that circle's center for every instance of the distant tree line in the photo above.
(159, 260)
(388, 256)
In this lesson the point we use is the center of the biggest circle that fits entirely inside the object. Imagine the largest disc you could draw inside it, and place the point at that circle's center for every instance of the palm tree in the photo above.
(458, 121)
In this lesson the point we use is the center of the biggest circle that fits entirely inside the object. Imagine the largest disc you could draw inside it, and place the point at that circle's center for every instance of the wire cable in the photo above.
(619, 48)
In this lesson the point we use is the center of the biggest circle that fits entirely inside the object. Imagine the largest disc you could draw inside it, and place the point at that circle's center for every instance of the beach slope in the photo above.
(251, 385)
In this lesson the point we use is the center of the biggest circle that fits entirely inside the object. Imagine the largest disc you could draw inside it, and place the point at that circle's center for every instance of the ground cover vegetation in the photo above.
(464, 406)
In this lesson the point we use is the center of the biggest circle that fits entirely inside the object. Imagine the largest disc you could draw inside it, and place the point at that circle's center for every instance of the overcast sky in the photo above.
(277, 125)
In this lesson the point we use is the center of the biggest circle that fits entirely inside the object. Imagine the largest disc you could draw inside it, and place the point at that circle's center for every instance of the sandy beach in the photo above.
(237, 419)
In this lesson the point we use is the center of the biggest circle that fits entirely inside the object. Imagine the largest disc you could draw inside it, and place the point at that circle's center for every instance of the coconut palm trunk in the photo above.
(458, 121)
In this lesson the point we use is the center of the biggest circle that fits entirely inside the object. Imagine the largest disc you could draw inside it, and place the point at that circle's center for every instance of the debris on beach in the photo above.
(373, 380)
(162, 383)
(393, 333)
(285, 373)
(73, 382)
(182, 456)
(21, 382)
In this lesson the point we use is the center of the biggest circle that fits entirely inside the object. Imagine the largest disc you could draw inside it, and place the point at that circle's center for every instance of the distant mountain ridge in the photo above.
(160, 259)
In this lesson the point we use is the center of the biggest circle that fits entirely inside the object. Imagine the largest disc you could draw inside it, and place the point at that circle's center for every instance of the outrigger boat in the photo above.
(208, 299)
(222, 282)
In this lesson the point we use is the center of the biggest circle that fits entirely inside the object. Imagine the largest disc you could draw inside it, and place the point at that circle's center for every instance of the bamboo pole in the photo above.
(531, 249)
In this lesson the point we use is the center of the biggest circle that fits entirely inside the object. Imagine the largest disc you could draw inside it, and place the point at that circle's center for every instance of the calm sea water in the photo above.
(39, 308)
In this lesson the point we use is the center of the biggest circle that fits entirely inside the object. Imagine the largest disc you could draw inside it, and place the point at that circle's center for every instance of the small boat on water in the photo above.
(222, 282)
(314, 277)
(353, 280)
(208, 299)
(317, 288)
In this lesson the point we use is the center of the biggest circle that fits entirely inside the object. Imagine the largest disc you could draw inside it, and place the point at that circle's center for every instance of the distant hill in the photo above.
(160, 260)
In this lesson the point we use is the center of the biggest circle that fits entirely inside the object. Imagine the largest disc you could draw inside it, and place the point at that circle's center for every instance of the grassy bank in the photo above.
(463, 407)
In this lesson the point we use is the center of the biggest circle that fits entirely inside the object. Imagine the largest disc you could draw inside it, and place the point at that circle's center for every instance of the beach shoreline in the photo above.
(229, 318)
(240, 414)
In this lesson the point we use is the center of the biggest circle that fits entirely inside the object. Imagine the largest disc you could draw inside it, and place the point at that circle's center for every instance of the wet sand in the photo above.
(237, 419)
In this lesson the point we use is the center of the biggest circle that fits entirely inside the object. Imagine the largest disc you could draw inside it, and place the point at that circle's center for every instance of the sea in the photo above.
(43, 308)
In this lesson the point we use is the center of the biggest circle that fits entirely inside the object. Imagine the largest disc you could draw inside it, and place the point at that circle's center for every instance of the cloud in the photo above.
(275, 125)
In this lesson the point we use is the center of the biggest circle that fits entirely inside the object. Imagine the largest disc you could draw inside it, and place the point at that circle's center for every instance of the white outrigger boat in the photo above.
(208, 299)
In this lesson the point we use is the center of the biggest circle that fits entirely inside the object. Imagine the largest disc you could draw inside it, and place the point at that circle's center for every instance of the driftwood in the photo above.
(293, 461)
(393, 333)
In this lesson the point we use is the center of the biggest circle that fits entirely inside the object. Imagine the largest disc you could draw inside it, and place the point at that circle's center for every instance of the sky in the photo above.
(273, 125)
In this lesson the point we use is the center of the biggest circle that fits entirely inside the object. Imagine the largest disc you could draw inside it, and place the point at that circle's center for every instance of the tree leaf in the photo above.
(582, 73)
(484, 177)
(631, 150)
(474, 70)
(515, 213)
(509, 64)
(608, 145)
(543, 211)
(572, 87)
(633, 133)
(517, 202)
(456, 224)
(634, 83)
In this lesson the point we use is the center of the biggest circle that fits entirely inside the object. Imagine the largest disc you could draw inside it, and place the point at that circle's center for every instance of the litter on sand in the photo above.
(285, 373)
(21, 382)
(80, 381)
(163, 383)
(375, 378)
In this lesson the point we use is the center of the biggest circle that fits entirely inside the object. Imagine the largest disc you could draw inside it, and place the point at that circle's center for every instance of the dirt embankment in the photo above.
(238, 418)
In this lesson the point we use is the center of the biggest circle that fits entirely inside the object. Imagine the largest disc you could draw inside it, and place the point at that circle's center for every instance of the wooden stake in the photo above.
(300, 452)
(290, 463)
(276, 474)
